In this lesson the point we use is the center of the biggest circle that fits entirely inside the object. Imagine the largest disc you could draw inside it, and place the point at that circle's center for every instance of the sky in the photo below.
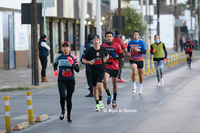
(178, 1)
(181, 1)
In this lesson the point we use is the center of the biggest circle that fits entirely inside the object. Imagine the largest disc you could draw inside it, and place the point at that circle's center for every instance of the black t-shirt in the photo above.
(98, 56)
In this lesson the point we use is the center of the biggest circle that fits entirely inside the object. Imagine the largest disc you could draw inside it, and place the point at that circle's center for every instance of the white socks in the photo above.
(140, 86)
(134, 84)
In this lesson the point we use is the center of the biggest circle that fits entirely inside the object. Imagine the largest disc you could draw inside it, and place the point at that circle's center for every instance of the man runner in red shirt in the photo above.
(123, 46)
(112, 66)
(188, 46)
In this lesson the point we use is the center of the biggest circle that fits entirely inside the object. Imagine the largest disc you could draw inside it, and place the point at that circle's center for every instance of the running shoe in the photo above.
(63, 114)
(101, 104)
(121, 80)
(89, 95)
(140, 91)
(97, 108)
(114, 104)
(158, 84)
(161, 81)
(69, 120)
(109, 100)
(134, 89)
(188, 64)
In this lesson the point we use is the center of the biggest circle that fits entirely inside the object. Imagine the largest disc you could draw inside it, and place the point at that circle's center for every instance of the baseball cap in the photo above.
(96, 36)
(66, 43)
(117, 32)
(90, 36)
(188, 37)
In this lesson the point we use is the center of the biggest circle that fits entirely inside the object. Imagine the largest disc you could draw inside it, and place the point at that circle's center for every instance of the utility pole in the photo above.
(199, 20)
(191, 13)
(119, 16)
(98, 19)
(176, 28)
(141, 4)
(35, 44)
(147, 28)
(82, 27)
(195, 25)
(44, 16)
(158, 17)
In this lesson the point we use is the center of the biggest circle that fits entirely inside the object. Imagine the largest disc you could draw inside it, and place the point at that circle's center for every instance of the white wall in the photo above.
(13, 4)
(114, 4)
(5, 24)
(52, 11)
(188, 20)
(68, 7)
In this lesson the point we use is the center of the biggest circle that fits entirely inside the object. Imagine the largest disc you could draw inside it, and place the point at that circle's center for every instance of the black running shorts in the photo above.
(138, 63)
(190, 53)
(112, 73)
(97, 77)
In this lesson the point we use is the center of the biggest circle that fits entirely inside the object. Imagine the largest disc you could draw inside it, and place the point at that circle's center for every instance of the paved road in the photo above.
(171, 108)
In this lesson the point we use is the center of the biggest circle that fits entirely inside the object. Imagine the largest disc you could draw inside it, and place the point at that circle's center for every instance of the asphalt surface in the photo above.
(170, 108)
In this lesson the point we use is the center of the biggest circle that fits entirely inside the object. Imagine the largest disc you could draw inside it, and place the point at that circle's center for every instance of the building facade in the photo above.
(62, 24)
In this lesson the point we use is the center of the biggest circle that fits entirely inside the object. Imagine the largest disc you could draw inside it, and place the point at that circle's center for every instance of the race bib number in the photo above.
(67, 73)
(134, 52)
(97, 62)
(110, 60)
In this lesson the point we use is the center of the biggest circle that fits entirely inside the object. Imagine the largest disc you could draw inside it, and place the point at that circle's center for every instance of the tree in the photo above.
(133, 22)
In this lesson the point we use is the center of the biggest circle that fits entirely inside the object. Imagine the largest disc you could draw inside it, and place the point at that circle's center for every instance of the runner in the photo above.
(88, 45)
(66, 79)
(97, 56)
(112, 66)
(157, 49)
(136, 48)
(123, 46)
(188, 46)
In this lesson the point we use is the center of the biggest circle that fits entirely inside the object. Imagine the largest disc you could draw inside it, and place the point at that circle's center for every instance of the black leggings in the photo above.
(120, 68)
(64, 86)
(43, 60)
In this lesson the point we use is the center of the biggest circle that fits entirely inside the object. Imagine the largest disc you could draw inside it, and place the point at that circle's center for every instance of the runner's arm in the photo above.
(192, 45)
(184, 46)
(120, 56)
(55, 66)
(151, 49)
(164, 48)
(123, 46)
(143, 51)
(76, 68)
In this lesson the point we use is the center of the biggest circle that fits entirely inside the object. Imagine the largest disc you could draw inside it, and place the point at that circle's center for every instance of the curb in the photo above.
(20, 126)
(41, 118)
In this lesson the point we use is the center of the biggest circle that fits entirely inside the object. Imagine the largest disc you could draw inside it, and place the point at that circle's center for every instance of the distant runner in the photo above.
(158, 49)
(136, 48)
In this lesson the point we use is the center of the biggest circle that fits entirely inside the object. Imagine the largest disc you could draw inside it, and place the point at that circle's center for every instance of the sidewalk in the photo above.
(23, 78)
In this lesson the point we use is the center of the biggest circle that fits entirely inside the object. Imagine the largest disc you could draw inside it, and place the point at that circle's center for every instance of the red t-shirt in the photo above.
(112, 63)
(119, 40)
(188, 46)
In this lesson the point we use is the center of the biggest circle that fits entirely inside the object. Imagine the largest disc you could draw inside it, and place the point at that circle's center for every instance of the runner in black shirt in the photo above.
(97, 56)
